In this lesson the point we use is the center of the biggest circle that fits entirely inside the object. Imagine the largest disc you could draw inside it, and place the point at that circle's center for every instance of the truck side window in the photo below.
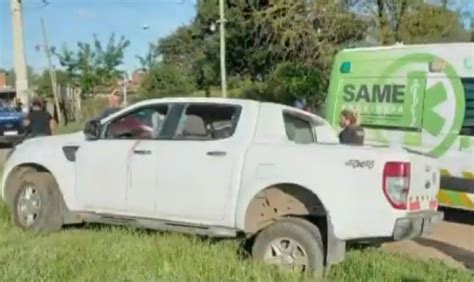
(144, 123)
(468, 123)
(208, 122)
(298, 130)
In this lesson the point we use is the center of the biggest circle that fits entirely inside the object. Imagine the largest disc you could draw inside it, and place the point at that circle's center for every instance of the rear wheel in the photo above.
(36, 205)
(291, 243)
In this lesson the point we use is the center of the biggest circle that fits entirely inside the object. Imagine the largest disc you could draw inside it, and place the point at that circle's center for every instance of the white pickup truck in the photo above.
(225, 168)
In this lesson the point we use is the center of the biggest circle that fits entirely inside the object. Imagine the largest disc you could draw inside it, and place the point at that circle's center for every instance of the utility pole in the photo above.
(124, 90)
(222, 45)
(19, 61)
(52, 73)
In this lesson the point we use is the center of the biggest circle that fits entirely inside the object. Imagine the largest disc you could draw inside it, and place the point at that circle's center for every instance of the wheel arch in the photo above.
(280, 200)
(293, 200)
(14, 174)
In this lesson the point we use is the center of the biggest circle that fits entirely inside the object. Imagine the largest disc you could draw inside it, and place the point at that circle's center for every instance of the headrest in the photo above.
(194, 126)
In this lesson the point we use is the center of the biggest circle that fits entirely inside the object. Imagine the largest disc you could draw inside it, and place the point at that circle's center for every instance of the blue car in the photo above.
(12, 130)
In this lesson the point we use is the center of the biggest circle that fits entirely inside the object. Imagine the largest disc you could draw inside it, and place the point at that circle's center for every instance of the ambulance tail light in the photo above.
(396, 184)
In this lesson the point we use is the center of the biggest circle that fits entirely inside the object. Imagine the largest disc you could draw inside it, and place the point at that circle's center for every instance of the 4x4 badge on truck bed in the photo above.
(362, 164)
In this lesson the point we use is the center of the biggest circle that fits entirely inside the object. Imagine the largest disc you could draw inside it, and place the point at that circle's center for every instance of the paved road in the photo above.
(452, 241)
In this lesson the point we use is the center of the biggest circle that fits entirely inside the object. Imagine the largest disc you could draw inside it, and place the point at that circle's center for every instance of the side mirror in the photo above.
(92, 130)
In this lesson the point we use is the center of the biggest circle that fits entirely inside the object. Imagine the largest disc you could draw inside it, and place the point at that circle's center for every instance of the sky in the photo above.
(70, 21)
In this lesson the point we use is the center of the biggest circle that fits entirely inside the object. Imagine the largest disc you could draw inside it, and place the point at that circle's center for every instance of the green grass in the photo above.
(102, 253)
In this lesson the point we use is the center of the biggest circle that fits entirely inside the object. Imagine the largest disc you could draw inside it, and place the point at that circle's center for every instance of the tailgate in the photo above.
(424, 182)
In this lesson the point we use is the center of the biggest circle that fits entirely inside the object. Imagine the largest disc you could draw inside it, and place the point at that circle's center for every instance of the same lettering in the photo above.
(388, 93)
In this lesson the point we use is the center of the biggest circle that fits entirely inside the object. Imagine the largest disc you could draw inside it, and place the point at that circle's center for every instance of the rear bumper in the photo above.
(415, 225)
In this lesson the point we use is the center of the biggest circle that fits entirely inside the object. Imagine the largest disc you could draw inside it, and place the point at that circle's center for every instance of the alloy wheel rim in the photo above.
(29, 205)
(286, 253)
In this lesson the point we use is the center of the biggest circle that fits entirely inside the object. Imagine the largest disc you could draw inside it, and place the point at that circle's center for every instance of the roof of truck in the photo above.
(199, 100)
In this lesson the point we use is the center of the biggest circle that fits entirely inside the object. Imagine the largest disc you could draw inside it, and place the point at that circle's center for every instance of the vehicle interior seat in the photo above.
(194, 127)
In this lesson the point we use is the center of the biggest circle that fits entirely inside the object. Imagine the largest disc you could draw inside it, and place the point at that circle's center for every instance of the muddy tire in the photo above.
(36, 205)
(292, 243)
(13, 183)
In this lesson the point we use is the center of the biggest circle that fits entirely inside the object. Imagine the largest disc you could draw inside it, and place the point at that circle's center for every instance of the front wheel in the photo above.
(291, 243)
(36, 205)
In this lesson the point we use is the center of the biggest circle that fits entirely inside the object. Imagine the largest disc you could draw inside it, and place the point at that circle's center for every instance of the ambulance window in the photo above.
(468, 124)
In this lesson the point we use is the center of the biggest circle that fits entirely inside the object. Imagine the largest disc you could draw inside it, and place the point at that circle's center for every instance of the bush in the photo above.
(166, 80)
(287, 83)
(291, 81)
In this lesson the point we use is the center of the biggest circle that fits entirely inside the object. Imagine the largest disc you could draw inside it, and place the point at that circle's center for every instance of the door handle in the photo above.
(142, 152)
(216, 153)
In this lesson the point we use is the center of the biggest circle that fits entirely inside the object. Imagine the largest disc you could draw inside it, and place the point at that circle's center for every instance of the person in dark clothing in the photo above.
(351, 132)
(39, 122)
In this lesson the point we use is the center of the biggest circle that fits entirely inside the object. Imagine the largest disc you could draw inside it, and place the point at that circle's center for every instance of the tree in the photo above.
(94, 64)
(414, 21)
(267, 38)
(290, 81)
(166, 80)
(259, 36)
(307, 33)
(430, 24)
(31, 76)
(43, 83)
(191, 51)
(151, 58)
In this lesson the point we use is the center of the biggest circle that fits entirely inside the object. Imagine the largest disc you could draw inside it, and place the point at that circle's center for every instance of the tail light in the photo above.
(396, 183)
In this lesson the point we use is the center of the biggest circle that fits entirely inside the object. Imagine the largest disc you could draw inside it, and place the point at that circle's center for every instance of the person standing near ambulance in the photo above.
(351, 132)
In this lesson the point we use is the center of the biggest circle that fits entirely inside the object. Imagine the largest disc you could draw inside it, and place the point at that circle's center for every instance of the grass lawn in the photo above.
(104, 253)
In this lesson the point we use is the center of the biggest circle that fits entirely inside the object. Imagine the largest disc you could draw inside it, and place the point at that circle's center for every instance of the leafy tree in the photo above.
(414, 21)
(30, 73)
(432, 23)
(306, 33)
(93, 64)
(151, 58)
(259, 36)
(290, 81)
(269, 43)
(43, 83)
(166, 80)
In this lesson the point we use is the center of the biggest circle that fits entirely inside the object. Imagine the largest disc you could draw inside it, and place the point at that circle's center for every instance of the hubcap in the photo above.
(287, 253)
(29, 204)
